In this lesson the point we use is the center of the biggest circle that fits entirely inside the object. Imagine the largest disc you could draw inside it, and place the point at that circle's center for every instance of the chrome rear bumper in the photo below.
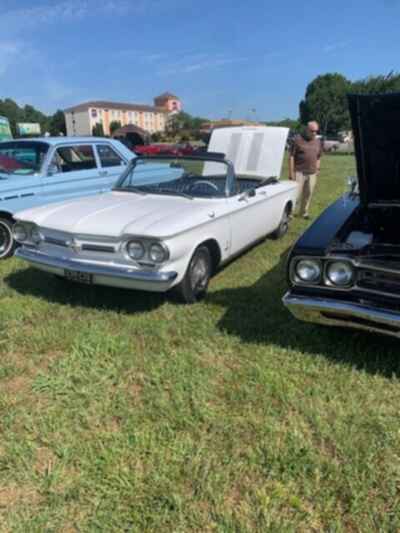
(343, 314)
(114, 276)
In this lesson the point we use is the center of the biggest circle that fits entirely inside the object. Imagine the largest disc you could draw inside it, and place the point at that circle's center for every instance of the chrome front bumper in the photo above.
(343, 314)
(113, 276)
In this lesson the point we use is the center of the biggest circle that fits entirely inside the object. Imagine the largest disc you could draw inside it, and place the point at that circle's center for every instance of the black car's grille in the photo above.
(384, 282)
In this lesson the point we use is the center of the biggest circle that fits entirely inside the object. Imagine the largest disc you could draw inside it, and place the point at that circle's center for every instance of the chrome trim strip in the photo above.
(38, 258)
(312, 310)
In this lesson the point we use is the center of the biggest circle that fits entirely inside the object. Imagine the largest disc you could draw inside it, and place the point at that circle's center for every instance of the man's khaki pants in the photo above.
(306, 184)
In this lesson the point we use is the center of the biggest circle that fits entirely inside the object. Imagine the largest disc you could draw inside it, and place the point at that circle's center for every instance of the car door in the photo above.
(253, 214)
(72, 171)
(111, 162)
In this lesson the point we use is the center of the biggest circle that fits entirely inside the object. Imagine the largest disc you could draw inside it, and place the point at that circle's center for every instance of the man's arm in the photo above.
(292, 174)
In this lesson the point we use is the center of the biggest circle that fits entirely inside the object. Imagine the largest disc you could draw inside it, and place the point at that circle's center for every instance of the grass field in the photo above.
(123, 411)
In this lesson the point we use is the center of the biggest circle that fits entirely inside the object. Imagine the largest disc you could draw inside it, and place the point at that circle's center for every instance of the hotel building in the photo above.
(82, 118)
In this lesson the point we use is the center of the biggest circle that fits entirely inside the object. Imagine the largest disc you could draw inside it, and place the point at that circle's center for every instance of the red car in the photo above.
(164, 149)
(10, 164)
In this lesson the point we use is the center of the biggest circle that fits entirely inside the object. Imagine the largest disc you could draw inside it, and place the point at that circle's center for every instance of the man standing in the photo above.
(304, 163)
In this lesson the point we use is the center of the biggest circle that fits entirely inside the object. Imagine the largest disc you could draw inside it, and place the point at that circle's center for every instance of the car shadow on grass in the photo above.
(57, 290)
(257, 315)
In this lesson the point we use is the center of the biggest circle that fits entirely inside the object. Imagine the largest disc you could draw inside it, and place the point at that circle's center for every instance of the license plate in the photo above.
(79, 277)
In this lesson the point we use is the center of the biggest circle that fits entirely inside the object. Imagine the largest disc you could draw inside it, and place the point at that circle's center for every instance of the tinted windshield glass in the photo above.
(180, 177)
(22, 158)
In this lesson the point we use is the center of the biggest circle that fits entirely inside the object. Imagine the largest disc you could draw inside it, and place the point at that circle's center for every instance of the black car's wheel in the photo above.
(283, 227)
(193, 286)
(7, 243)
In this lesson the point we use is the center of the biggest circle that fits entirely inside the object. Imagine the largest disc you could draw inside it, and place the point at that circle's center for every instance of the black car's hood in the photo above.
(376, 126)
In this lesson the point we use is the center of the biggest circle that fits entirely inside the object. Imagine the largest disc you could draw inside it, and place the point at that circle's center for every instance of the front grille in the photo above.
(385, 282)
(98, 248)
(57, 242)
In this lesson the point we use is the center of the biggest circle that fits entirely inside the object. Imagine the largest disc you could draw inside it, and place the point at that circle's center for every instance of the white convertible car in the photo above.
(169, 222)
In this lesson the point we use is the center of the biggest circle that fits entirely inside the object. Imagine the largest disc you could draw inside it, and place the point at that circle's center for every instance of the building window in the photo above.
(94, 113)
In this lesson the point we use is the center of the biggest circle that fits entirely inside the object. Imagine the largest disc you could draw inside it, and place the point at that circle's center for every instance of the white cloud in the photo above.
(334, 47)
(195, 62)
(17, 20)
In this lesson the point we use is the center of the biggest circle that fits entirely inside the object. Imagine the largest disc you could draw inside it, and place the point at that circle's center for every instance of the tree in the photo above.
(326, 102)
(98, 130)
(57, 123)
(377, 84)
(114, 126)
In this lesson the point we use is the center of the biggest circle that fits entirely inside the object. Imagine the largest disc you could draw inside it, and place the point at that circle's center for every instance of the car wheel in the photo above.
(7, 242)
(283, 227)
(193, 286)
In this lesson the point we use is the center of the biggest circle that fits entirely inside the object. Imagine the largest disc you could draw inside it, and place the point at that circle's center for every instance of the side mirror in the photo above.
(53, 169)
(246, 195)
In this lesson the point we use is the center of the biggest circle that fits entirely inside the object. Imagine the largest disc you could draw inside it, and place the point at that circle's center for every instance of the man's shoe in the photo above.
(306, 217)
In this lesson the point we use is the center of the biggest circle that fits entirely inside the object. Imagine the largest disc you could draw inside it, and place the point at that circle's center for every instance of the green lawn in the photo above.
(124, 411)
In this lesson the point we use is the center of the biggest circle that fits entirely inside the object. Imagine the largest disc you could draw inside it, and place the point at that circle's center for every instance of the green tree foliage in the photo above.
(377, 84)
(114, 126)
(326, 102)
(98, 130)
(293, 125)
(57, 123)
(183, 124)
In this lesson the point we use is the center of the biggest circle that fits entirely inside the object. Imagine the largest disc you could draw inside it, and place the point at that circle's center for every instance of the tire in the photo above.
(7, 242)
(283, 227)
(193, 286)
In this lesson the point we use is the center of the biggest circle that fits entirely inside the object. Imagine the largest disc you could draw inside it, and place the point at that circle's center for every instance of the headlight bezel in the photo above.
(146, 259)
(323, 281)
(29, 228)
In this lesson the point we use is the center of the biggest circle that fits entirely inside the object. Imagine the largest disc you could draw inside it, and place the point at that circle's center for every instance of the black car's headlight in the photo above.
(307, 271)
(339, 273)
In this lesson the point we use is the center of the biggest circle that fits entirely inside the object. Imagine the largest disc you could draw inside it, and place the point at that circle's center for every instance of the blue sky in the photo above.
(219, 56)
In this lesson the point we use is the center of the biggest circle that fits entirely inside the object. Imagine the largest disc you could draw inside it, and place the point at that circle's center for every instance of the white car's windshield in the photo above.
(22, 158)
(192, 178)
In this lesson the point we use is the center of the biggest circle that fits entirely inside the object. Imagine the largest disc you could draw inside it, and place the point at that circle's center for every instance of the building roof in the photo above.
(104, 104)
(165, 96)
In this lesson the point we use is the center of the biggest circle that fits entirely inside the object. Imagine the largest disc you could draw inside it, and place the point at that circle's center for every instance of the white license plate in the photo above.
(79, 277)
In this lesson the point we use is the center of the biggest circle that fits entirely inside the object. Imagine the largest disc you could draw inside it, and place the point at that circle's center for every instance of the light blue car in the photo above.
(40, 171)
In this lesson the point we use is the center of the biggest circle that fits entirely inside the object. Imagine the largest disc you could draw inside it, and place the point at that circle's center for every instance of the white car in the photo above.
(170, 222)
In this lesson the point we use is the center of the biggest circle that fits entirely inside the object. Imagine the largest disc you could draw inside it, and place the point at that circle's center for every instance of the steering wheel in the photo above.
(201, 183)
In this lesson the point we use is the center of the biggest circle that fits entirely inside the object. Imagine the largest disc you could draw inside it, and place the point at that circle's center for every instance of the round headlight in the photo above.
(36, 235)
(308, 270)
(135, 250)
(340, 273)
(157, 253)
(20, 232)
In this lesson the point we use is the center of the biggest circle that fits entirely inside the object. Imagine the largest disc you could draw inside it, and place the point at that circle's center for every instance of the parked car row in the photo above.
(170, 221)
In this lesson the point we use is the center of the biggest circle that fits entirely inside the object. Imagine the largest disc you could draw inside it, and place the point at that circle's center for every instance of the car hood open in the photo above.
(117, 213)
(376, 126)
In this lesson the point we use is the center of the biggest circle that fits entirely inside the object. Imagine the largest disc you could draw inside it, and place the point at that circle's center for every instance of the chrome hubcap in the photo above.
(5, 238)
(199, 274)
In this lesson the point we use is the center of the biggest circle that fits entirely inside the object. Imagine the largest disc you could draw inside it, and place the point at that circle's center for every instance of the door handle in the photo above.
(103, 173)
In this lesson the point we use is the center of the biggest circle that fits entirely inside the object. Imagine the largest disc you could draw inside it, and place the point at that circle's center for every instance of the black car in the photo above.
(345, 269)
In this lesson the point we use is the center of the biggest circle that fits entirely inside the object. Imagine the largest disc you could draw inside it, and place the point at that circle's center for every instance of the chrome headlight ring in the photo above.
(339, 274)
(146, 250)
(306, 271)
